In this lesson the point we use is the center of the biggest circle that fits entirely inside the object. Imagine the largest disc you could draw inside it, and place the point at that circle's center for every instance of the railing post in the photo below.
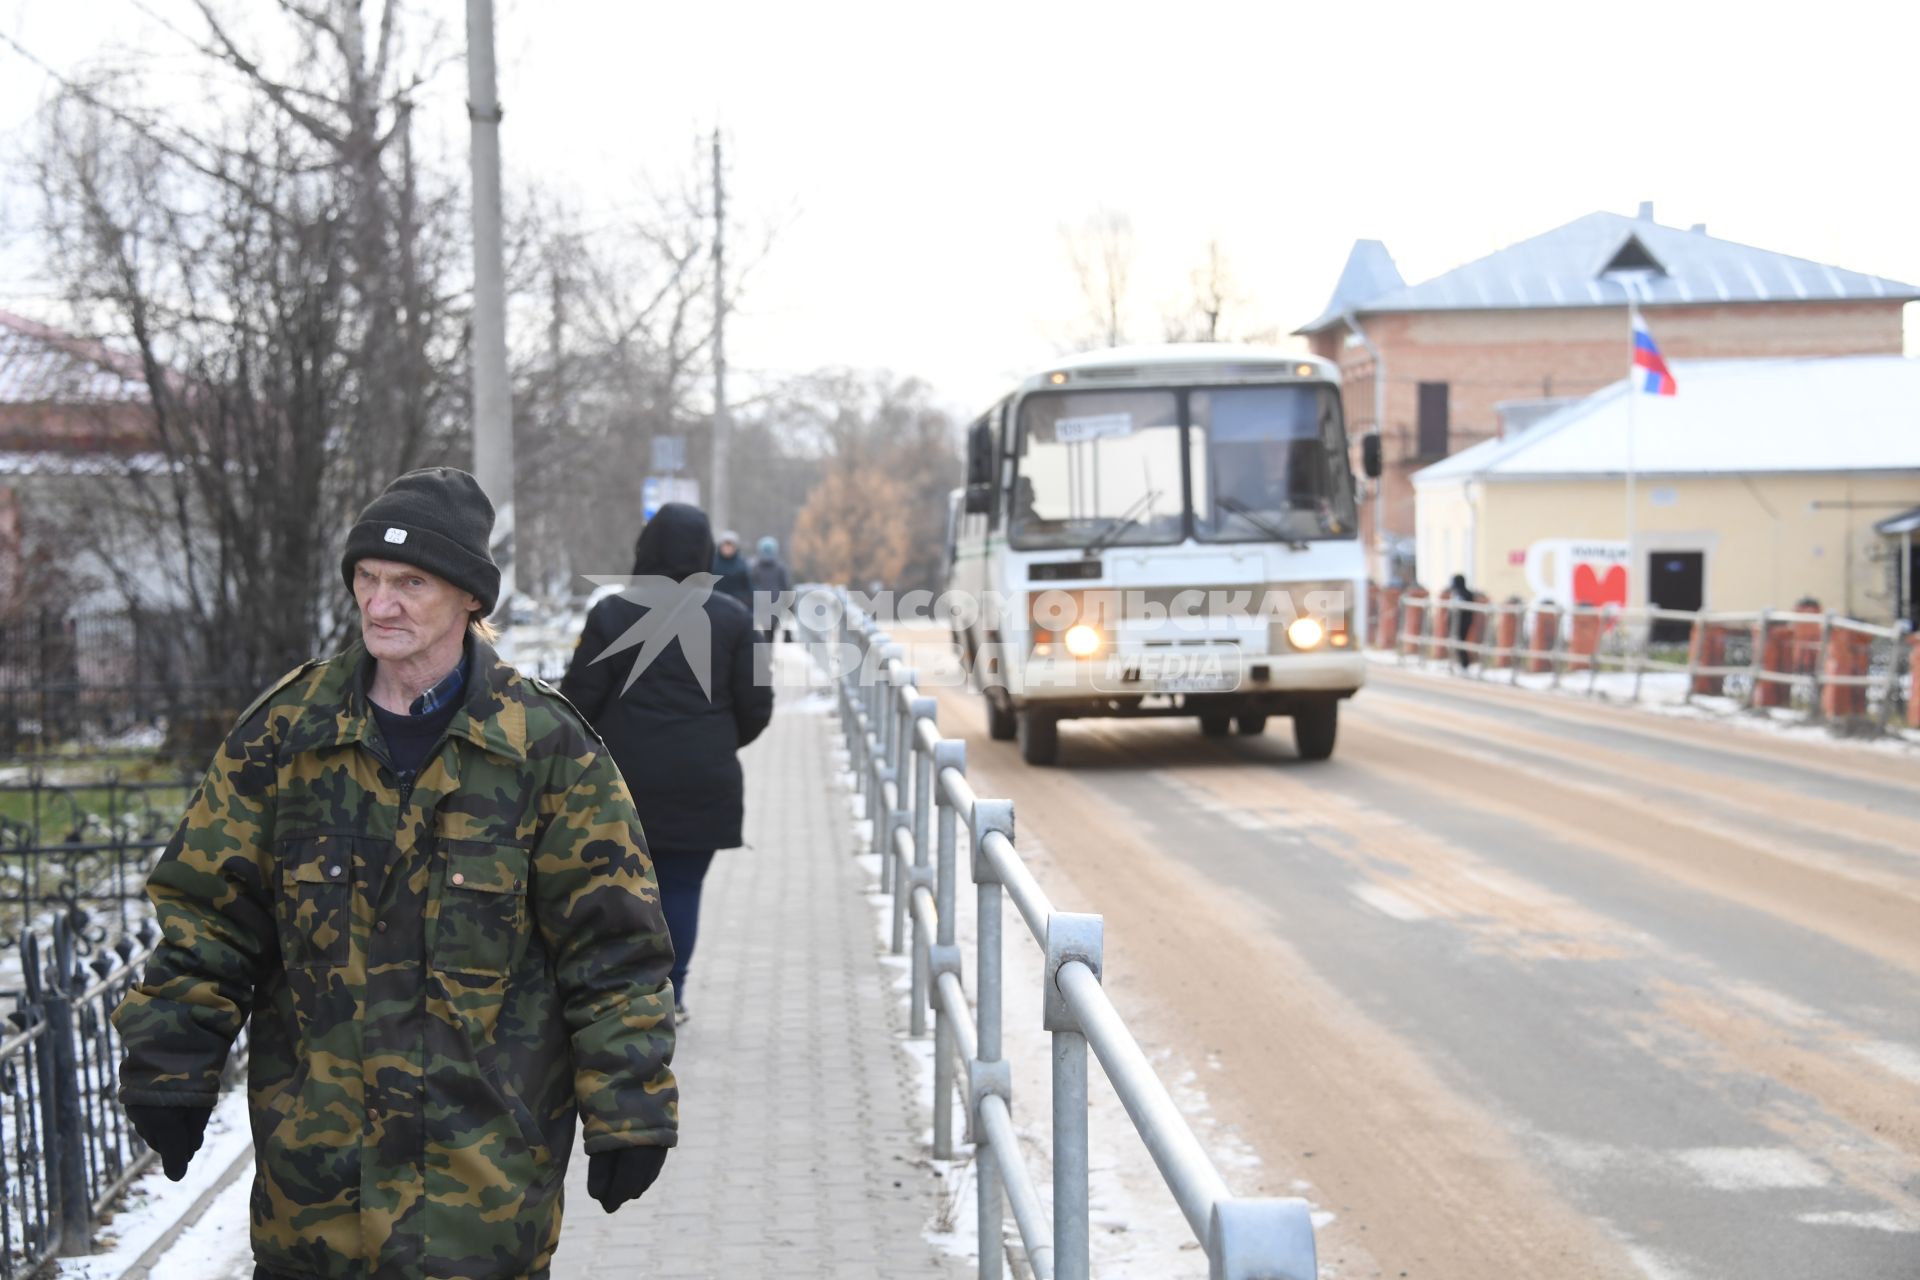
(65, 1128)
(881, 718)
(900, 758)
(947, 754)
(1072, 938)
(988, 816)
(1265, 1239)
(1816, 704)
(1559, 657)
(1758, 663)
(921, 709)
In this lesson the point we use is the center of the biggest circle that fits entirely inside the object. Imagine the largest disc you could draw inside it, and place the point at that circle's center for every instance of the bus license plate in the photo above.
(1219, 682)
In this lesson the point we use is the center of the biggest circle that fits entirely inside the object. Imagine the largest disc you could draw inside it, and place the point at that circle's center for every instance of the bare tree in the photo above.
(286, 280)
(628, 344)
(1215, 305)
(1200, 317)
(889, 456)
(1100, 251)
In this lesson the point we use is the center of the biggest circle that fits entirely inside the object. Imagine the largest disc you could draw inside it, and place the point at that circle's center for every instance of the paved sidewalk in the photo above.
(798, 1131)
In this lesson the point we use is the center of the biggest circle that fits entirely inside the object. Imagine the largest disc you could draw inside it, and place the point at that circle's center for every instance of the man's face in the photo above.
(405, 611)
(728, 548)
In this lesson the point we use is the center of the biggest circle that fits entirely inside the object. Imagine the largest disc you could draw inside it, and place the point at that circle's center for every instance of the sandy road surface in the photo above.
(1519, 987)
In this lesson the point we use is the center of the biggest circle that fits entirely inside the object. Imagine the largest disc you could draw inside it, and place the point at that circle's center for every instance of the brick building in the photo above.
(72, 414)
(1545, 319)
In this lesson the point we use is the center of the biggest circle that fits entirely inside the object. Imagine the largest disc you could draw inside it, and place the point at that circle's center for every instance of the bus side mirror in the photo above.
(979, 458)
(1370, 455)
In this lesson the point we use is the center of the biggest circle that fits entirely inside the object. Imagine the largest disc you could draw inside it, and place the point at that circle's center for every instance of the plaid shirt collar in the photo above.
(442, 692)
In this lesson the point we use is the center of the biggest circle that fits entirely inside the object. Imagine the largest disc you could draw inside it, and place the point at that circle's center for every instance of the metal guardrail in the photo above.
(66, 1148)
(1832, 668)
(913, 781)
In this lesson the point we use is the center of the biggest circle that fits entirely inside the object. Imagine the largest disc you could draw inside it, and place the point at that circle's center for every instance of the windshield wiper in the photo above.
(1241, 509)
(1118, 526)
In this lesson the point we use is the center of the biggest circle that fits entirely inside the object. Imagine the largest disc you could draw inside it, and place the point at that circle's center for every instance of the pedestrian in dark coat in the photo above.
(769, 580)
(731, 568)
(674, 740)
(1460, 620)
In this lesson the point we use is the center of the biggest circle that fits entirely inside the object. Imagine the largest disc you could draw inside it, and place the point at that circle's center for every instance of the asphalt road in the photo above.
(1515, 985)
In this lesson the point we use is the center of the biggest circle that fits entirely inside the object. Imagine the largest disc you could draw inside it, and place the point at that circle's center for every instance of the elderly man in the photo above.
(421, 877)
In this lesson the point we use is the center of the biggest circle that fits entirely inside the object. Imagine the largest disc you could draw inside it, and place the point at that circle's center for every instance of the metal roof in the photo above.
(1369, 273)
(1905, 524)
(1730, 417)
(1562, 268)
(40, 365)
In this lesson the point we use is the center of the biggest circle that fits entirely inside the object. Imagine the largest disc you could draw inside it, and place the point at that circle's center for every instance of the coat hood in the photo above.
(677, 543)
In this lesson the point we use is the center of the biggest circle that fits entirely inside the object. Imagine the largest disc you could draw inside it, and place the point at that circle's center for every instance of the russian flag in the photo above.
(1650, 372)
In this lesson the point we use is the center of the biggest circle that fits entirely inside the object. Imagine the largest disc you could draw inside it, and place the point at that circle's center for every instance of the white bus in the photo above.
(1162, 531)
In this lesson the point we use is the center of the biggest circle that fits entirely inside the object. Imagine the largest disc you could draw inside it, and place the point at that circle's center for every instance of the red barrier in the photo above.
(1413, 613)
(1506, 630)
(1847, 655)
(1913, 688)
(1774, 642)
(1546, 629)
(1441, 633)
(1583, 638)
(1386, 618)
(1708, 648)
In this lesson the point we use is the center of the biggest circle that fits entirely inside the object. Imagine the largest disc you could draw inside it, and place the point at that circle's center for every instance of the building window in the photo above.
(1433, 420)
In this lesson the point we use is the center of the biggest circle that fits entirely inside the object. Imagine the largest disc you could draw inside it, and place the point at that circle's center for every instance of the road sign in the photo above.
(657, 491)
(669, 454)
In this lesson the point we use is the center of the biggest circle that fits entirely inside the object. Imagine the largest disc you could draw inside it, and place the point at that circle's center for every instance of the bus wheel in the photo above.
(1039, 737)
(1000, 725)
(1251, 726)
(1314, 726)
(1215, 726)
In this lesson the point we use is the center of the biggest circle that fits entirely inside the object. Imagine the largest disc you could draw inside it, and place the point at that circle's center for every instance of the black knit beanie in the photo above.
(437, 519)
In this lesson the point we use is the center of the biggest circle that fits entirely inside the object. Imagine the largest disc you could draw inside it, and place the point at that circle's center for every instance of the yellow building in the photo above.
(1759, 483)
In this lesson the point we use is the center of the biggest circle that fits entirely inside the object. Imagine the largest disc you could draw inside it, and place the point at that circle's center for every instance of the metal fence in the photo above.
(66, 1148)
(80, 848)
(913, 781)
(1822, 667)
(98, 678)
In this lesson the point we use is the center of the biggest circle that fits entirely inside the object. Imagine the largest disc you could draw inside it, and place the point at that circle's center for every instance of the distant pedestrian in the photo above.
(417, 880)
(769, 580)
(731, 568)
(1460, 619)
(674, 739)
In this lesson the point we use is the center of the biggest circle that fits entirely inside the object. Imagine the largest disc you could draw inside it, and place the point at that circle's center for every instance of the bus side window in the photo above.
(1003, 454)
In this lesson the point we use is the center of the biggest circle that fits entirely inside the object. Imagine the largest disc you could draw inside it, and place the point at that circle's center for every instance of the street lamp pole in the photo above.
(492, 398)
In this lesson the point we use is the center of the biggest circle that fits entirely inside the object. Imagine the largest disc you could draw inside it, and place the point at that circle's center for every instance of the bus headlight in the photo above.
(1082, 640)
(1302, 633)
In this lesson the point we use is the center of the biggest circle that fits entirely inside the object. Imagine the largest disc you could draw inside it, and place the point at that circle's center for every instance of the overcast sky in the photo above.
(921, 161)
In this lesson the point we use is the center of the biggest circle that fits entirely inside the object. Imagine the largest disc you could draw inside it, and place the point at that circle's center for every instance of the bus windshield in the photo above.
(1274, 466)
(1098, 468)
(1105, 468)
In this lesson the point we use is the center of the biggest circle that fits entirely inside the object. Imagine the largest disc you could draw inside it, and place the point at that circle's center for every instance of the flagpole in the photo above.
(1633, 404)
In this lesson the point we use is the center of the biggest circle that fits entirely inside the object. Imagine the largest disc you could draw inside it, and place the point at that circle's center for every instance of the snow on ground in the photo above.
(1138, 1230)
(152, 1206)
(1659, 693)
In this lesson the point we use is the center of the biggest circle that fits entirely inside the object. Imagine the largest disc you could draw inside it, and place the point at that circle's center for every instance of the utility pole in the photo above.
(492, 401)
(722, 427)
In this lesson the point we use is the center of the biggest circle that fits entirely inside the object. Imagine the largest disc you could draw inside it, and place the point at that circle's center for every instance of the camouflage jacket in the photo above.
(440, 972)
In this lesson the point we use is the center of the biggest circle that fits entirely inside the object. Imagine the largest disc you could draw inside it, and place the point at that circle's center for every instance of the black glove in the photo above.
(615, 1177)
(173, 1132)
